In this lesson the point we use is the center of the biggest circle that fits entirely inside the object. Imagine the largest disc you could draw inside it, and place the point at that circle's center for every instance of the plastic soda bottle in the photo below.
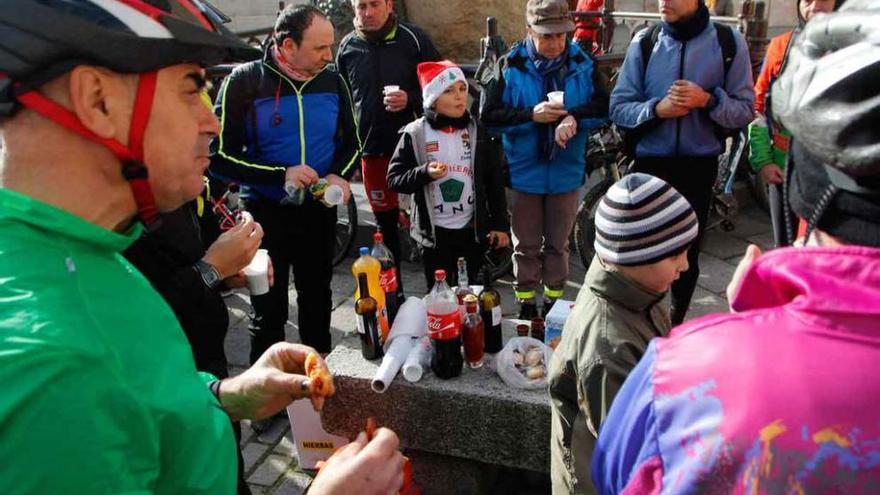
(444, 328)
(387, 276)
(370, 266)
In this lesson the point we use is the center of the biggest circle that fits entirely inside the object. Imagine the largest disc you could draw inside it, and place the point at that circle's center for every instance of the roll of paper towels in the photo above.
(418, 359)
(391, 363)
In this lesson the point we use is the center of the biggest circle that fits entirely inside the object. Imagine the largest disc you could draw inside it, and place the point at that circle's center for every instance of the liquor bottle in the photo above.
(367, 310)
(464, 287)
(372, 268)
(472, 330)
(490, 311)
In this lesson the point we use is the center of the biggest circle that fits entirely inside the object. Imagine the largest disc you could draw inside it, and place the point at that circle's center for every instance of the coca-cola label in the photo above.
(496, 316)
(388, 280)
(444, 327)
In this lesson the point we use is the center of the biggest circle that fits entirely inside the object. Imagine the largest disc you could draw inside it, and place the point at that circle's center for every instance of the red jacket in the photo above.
(770, 70)
(585, 29)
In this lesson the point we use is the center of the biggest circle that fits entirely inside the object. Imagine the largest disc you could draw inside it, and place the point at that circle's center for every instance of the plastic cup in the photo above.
(257, 273)
(390, 89)
(556, 97)
(332, 196)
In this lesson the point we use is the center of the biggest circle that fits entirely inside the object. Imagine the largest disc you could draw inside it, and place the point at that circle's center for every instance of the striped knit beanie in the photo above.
(642, 220)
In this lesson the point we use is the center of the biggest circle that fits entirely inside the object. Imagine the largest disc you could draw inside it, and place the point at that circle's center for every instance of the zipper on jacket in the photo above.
(678, 120)
(299, 104)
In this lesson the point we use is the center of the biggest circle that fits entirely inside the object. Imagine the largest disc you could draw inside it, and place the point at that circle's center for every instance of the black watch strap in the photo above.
(209, 274)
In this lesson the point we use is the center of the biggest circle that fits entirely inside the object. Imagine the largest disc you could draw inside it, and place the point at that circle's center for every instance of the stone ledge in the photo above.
(475, 416)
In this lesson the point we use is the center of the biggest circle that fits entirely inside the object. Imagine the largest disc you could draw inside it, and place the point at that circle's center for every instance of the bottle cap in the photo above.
(470, 299)
(377, 236)
(440, 275)
(364, 251)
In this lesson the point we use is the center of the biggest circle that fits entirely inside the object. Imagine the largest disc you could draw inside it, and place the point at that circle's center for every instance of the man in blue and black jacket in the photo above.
(694, 85)
(288, 119)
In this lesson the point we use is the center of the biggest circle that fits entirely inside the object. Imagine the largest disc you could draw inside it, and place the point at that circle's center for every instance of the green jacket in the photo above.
(99, 392)
(604, 337)
(765, 149)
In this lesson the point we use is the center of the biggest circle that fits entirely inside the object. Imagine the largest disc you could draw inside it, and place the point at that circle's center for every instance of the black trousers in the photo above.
(693, 177)
(449, 245)
(301, 237)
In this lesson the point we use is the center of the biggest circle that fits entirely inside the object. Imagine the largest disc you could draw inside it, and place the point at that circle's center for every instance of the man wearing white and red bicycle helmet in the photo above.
(101, 119)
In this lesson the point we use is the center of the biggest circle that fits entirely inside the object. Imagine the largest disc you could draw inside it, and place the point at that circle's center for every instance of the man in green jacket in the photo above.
(101, 118)
(643, 230)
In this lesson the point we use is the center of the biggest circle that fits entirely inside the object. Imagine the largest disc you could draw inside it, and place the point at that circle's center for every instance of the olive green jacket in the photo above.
(604, 337)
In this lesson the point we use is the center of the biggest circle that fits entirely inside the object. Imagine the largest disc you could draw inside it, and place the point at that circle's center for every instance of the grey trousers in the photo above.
(541, 224)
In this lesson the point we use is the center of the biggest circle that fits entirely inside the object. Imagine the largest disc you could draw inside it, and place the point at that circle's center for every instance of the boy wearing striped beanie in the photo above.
(643, 230)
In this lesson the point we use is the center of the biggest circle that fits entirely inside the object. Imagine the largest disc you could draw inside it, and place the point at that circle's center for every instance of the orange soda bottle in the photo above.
(370, 266)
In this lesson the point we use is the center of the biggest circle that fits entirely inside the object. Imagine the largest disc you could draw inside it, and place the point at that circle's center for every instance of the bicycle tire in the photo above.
(585, 222)
(499, 262)
(758, 190)
(346, 228)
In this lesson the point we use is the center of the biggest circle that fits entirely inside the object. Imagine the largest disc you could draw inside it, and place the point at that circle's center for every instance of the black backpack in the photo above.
(726, 41)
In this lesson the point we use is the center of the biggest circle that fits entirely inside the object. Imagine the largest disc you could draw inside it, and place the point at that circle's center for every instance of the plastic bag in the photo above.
(514, 375)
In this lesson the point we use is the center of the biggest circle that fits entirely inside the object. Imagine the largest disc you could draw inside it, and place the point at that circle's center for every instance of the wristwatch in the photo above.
(209, 274)
(712, 102)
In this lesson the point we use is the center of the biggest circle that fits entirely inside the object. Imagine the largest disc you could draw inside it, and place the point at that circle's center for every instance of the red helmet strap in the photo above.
(132, 157)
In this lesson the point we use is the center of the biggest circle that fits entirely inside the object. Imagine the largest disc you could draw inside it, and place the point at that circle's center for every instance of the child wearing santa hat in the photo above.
(453, 169)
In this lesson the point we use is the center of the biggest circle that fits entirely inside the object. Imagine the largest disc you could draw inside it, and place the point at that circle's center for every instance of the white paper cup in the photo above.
(390, 89)
(257, 273)
(332, 196)
(556, 97)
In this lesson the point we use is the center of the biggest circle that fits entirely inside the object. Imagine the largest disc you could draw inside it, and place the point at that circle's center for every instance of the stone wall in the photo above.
(456, 26)
(251, 14)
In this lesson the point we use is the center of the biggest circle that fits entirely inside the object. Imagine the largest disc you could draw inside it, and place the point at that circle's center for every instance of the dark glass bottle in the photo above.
(490, 310)
(366, 309)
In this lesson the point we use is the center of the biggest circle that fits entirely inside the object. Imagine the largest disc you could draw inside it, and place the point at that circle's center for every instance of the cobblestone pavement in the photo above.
(270, 461)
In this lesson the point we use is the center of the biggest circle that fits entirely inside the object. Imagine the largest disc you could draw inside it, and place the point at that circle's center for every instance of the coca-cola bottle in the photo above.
(464, 287)
(367, 309)
(388, 275)
(490, 311)
(444, 328)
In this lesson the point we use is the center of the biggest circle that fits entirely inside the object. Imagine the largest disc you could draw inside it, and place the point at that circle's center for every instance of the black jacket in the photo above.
(409, 174)
(369, 67)
(166, 259)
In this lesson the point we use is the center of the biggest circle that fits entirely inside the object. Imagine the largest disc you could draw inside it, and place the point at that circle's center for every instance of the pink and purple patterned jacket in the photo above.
(781, 397)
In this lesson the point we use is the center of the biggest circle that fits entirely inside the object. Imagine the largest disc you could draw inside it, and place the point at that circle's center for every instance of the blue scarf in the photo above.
(553, 72)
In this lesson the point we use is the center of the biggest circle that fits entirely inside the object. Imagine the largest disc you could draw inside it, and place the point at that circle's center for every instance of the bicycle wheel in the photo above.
(758, 189)
(499, 262)
(346, 227)
(585, 222)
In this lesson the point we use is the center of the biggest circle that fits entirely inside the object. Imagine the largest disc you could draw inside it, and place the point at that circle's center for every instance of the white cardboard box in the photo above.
(555, 321)
(312, 443)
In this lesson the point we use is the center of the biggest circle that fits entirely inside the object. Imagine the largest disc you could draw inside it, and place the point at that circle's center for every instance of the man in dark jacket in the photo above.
(677, 102)
(188, 261)
(379, 53)
(287, 121)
